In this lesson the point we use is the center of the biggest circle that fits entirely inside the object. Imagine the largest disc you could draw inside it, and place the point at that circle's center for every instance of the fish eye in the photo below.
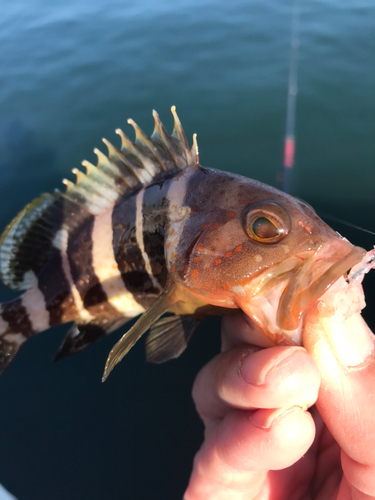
(264, 228)
(266, 222)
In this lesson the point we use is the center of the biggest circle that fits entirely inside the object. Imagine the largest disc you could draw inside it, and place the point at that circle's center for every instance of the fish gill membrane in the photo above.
(150, 231)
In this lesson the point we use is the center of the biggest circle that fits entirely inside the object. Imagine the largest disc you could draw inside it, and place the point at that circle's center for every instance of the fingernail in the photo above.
(265, 418)
(352, 341)
(251, 372)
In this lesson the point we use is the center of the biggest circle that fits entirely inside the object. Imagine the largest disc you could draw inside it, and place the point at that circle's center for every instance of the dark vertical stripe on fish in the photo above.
(196, 190)
(79, 253)
(154, 213)
(56, 290)
(96, 302)
(16, 315)
(127, 253)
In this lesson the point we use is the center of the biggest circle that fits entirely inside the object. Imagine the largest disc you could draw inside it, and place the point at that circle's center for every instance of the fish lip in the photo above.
(295, 300)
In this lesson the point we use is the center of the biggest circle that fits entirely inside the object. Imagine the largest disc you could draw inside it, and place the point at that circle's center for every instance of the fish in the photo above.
(149, 231)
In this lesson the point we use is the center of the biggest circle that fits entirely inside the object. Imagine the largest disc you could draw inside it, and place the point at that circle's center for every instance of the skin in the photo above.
(287, 423)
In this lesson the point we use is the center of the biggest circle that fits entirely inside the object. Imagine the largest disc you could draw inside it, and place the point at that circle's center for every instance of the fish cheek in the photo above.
(213, 261)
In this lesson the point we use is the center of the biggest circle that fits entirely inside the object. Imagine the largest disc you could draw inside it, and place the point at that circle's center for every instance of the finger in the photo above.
(345, 356)
(248, 378)
(238, 329)
(233, 460)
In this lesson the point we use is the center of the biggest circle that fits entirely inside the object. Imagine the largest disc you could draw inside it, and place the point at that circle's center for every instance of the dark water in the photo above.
(72, 72)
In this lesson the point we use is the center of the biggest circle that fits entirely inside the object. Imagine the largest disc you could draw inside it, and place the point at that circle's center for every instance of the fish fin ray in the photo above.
(169, 337)
(152, 314)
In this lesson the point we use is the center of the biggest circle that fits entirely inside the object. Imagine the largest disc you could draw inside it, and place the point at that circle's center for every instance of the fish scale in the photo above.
(149, 231)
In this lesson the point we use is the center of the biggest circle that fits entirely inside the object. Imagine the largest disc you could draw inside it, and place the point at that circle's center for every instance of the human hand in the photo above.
(262, 442)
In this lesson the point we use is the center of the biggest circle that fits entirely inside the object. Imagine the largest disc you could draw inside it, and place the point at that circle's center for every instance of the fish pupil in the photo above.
(264, 229)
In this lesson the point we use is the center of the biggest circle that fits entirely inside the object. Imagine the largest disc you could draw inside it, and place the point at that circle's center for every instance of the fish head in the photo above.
(261, 250)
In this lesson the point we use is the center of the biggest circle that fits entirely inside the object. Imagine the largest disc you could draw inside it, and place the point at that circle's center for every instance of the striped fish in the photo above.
(149, 231)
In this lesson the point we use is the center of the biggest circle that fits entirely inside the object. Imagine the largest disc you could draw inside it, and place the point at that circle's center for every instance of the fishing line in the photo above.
(290, 141)
(346, 223)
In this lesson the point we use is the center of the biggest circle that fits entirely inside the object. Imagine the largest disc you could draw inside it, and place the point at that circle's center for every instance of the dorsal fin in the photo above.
(27, 241)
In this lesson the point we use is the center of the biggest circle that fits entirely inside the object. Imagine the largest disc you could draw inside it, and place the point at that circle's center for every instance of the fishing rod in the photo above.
(290, 141)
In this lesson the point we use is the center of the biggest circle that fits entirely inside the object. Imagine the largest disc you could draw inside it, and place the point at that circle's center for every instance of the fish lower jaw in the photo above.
(262, 309)
(264, 314)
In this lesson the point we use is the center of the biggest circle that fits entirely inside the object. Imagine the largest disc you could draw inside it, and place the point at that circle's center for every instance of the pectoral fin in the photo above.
(153, 313)
(169, 337)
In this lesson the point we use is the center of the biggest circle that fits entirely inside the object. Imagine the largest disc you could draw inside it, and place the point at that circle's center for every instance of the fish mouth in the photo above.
(296, 299)
(277, 300)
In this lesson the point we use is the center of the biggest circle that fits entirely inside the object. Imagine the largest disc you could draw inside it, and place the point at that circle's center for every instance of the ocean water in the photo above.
(71, 73)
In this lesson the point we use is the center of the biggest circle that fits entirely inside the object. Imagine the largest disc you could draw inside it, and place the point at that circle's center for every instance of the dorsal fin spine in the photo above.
(128, 148)
(113, 153)
(120, 159)
(90, 200)
(163, 140)
(179, 134)
(195, 149)
(100, 177)
(69, 184)
(144, 142)
(126, 143)
(105, 165)
(92, 187)
(92, 184)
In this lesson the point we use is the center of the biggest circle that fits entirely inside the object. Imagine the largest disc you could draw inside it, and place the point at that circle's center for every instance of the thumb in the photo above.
(344, 352)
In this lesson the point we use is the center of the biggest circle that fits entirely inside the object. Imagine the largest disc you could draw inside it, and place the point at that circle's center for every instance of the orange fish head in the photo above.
(270, 255)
